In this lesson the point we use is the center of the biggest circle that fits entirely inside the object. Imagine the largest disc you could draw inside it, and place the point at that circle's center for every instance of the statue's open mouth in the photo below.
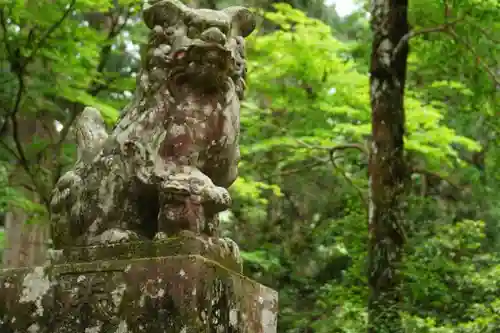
(205, 54)
(205, 66)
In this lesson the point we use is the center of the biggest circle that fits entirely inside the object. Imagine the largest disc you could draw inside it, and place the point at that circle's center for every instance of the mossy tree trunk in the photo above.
(387, 168)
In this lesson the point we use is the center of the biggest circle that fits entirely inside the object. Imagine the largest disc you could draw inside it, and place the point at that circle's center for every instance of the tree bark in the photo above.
(387, 169)
(26, 244)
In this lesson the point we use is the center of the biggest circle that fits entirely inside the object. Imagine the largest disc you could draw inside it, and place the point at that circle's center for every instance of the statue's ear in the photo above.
(163, 12)
(242, 19)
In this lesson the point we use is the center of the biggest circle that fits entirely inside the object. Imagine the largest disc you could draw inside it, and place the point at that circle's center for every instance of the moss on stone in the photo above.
(184, 244)
(183, 293)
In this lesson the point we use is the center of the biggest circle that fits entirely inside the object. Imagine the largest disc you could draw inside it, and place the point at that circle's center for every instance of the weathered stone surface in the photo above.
(220, 250)
(176, 294)
(167, 163)
(135, 221)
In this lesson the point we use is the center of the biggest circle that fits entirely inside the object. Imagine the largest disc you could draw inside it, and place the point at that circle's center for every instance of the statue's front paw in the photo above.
(222, 196)
(217, 198)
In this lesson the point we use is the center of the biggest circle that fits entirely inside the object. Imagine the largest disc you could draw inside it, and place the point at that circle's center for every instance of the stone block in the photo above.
(222, 250)
(171, 294)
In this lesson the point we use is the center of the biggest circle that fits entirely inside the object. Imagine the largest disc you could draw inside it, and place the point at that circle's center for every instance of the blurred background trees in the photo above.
(300, 210)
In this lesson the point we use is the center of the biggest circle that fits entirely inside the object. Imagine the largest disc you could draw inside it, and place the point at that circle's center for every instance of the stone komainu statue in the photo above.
(166, 165)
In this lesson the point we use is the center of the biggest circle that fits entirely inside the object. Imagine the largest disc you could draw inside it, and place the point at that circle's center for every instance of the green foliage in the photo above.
(325, 99)
(13, 198)
(68, 51)
(307, 93)
(55, 60)
(299, 211)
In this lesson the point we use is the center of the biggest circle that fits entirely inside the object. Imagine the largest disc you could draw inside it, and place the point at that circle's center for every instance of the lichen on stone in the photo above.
(135, 221)
(34, 287)
(169, 160)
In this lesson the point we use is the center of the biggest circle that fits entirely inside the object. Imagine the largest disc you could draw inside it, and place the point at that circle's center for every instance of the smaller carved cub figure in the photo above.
(167, 163)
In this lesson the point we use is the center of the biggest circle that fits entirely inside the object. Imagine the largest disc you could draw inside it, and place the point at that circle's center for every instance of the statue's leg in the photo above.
(178, 211)
(216, 200)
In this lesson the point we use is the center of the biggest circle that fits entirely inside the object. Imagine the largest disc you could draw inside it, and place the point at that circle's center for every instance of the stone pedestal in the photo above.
(176, 286)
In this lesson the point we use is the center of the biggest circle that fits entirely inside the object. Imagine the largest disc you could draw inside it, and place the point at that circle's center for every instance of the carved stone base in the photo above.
(221, 250)
(171, 294)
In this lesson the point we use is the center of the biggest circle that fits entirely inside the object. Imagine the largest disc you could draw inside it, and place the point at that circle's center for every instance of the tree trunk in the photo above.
(387, 168)
(26, 244)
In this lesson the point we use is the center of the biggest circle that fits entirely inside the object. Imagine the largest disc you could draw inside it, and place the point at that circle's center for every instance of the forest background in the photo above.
(300, 208)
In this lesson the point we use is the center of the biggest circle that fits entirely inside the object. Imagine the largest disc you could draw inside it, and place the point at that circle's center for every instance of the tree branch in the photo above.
(20, 71)
(3, 24)
(447, 28)
(356, 146)
(9, 149)
(18, 66)
(305, 167)
(425, 172)
(440, 28)
(50, 30)
(95, 88)
(12, 115)
(105, 53)
(472, 50)
(348, 179)
(331, 152)
(485, 33)
(23, 161)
